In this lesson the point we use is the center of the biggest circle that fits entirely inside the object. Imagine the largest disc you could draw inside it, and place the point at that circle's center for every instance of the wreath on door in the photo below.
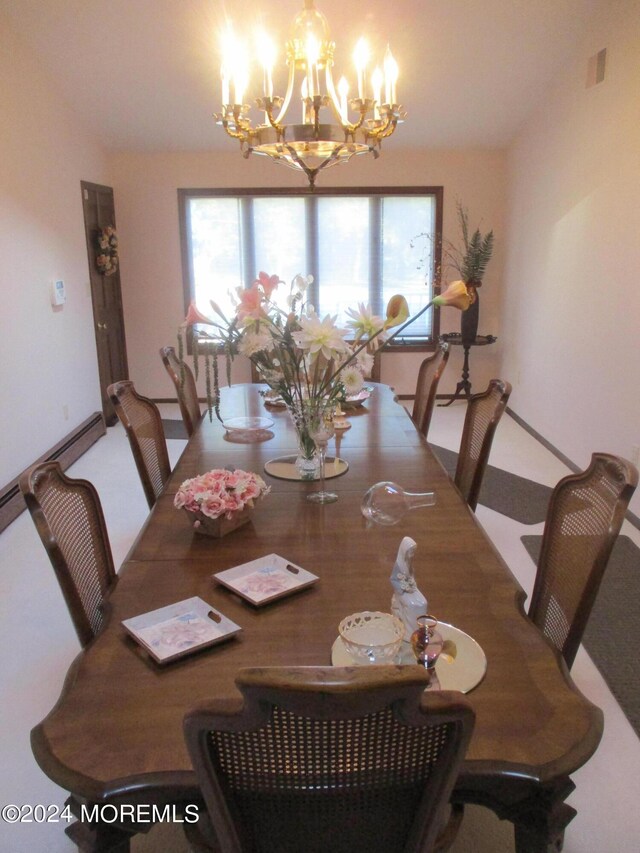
(107, 256)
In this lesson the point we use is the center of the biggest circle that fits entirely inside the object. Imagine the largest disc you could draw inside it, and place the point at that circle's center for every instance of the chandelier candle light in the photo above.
(354, 126)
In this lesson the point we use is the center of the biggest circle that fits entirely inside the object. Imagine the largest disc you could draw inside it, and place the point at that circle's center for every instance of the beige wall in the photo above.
(571, 315)
(48, 356)
(147, 209)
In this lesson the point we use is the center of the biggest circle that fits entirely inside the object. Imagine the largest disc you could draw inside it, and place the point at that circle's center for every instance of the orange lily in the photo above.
(397, 311)
(456, 294)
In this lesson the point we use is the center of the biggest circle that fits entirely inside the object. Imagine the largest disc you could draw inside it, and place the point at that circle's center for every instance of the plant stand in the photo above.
(463, 388)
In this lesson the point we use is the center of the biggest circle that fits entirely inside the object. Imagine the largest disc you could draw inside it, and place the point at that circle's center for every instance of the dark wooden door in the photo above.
(106, 295)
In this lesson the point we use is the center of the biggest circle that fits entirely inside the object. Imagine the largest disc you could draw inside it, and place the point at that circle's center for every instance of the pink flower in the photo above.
(268, 282)
(195, 316)
(213, 506)
(232, 480)
(220, 492)
(250, 304)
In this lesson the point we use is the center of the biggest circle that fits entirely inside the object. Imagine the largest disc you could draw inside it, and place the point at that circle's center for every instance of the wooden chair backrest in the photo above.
(429, 375)
(483, 415)
(142, 422)
(185, 385)
(69, 520)
(584, 517)
(325, 758)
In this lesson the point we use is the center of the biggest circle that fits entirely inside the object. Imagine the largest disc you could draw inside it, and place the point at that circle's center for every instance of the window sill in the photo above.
(418, 345)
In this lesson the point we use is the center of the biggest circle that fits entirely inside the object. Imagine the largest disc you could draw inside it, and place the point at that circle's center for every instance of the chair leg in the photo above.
(449, 832)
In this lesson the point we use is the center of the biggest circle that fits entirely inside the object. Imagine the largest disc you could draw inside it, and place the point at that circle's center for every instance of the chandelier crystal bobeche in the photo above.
(317, 141)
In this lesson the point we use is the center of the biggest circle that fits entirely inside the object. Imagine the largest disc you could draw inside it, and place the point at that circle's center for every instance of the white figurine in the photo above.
(407, 602)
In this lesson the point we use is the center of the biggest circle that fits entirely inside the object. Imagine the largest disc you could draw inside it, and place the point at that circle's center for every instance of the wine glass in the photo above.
(321, 430)
(387, 503)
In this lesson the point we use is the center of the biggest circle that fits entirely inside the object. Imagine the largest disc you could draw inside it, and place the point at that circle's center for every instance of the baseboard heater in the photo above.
(66, 452)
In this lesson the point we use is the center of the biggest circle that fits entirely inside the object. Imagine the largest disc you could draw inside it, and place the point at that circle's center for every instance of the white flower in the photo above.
(352, 379)
(300, 283)
(253, 342)
(320, 336)
(363, 322)
(364, 362)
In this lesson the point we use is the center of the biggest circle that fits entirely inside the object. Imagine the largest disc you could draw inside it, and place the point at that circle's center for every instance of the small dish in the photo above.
(275, 401)
(265, 579)
(179, 629)
(247, 424)
(356, 400)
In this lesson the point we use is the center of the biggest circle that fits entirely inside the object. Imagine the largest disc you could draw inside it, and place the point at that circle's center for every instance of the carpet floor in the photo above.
(174, 429)
(613, 630)
(511, 495)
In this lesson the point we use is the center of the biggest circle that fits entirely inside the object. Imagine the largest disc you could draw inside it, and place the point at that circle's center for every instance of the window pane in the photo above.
(408, 269)
(358, 247)
(216, 251)
(279, 239)
(343, 254)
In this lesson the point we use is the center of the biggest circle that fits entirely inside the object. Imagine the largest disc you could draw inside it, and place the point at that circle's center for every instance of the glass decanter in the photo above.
(427, 642)
(387, 503)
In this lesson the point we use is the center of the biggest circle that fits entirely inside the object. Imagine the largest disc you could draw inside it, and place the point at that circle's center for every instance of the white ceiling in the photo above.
(144, 74)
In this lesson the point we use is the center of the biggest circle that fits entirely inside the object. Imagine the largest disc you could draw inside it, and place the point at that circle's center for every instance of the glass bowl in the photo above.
(371, 636)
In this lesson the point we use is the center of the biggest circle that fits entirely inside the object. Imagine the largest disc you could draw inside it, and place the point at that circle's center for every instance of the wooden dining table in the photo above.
(115, 734)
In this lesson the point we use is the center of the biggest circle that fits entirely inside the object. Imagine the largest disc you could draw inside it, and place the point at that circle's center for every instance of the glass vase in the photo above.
(307, 461)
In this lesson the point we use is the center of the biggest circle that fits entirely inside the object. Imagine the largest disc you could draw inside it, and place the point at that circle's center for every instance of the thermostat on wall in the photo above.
(58, 296)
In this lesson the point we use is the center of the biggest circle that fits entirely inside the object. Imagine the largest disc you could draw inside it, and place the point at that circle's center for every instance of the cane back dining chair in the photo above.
(69, 520)
(185, 385)
(483, 415)
(329, 759)
(142, 422)
(429, 375)
(584, 517)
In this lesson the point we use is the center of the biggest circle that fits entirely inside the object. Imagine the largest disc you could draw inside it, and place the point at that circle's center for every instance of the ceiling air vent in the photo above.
(596, 67)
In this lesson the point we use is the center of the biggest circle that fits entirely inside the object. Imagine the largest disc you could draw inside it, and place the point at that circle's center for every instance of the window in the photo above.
(358, 244)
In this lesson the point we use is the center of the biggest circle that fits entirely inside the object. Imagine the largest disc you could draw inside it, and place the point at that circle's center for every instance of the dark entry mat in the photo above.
(516, 497)
(612, 635)
(174, 429)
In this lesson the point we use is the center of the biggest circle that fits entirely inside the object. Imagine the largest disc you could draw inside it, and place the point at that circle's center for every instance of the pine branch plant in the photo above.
(469, 262)
(477, 250)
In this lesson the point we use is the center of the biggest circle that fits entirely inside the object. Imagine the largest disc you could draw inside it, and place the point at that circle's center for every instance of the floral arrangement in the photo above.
(220, 493)
(107, 257)
(300, 356)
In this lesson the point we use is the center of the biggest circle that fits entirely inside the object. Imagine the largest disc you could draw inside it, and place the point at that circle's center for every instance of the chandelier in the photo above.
(331, 128)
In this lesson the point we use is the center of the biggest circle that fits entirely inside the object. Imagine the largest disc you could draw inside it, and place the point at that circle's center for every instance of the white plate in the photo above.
(179, 629)
(247, 424)
(265, 579)
(356, 400)
(275, 401)
(462, 672)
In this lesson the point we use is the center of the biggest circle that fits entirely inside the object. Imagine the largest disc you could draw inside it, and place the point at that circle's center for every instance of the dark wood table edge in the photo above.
(532, 799)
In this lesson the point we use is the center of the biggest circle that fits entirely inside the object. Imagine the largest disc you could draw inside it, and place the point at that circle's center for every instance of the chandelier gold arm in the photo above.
(287, 98)
(308, 144)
